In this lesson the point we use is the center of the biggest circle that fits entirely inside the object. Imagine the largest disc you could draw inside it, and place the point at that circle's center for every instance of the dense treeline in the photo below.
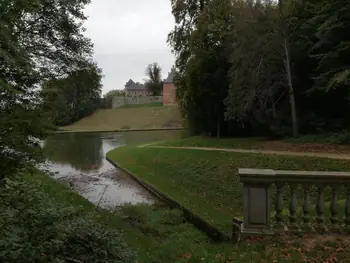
(261, 67)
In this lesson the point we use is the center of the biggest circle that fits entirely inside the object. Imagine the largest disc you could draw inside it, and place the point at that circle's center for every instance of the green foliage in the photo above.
(74, 97)
(207, 182)
(202, 83)
(34, 227)
(154, 84)
(157, 233)
(40, 40)
(114, 93)
(235, 51)
(257, 71)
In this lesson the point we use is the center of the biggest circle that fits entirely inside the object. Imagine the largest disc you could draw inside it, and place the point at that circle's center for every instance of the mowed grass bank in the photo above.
(146, 105)
(207, 182)
(258, 144)
(129, 119)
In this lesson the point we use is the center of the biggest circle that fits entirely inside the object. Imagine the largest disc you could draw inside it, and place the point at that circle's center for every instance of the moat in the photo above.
(79, 160)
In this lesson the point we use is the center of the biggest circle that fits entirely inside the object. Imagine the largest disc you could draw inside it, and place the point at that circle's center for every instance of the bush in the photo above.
(37, 228)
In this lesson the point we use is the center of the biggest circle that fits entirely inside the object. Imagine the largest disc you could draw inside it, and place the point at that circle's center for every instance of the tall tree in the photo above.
(288, 67)
(39, 39)
(186, 14)
(256, 73)
(199, 42)
(154, 83)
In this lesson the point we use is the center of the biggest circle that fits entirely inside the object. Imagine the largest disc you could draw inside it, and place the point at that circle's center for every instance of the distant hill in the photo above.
(129, 119)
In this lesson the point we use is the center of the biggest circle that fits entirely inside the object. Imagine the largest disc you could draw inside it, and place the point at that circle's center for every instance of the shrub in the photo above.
(37, 228)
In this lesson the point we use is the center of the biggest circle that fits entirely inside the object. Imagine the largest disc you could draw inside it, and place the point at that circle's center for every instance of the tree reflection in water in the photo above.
(82, 151)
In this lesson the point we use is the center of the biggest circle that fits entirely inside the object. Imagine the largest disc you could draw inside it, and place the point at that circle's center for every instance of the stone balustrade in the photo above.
(265, 196)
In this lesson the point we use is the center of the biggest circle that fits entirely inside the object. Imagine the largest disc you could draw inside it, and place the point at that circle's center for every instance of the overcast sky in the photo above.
(128, 35)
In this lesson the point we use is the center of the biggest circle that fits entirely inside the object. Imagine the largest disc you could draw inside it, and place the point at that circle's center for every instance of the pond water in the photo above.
(79, 159)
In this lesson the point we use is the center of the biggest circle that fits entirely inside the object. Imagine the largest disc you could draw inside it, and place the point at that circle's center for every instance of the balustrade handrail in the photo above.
(270, 176)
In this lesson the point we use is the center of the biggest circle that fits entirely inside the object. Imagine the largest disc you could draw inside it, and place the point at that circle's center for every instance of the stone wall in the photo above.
(169, 94)
(120, 101)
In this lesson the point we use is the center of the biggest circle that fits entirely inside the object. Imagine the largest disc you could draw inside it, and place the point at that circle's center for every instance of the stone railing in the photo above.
(264, 192)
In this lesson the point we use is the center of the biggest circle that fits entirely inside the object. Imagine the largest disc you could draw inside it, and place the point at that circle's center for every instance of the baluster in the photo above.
(334, 209)
(306, 214)
(347, 210)
(279, 225)
(293, 206)
(320, 209)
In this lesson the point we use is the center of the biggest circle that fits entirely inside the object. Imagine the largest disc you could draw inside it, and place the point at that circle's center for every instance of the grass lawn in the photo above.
(158, 234)
(129, 118)
(259, 144)
(147, 105)
(206, 182)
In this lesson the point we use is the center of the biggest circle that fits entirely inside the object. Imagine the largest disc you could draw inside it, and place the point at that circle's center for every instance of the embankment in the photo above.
(207, 182)
(129, 119)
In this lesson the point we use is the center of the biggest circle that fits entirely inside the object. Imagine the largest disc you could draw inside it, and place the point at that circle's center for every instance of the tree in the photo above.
(199, 41)
(332, 46)
(154, 84)
(114, 93)
(263, 59)
(257, 78)
(74, 97)
(39, 40)
(288, 68)
(186, 14)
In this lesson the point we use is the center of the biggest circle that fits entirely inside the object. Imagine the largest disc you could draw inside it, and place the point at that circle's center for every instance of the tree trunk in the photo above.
(218, 131)
(291, 90)
(289, 72)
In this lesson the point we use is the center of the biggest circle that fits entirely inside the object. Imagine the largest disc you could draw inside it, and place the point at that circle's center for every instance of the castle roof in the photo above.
(171, 75)
(132, 86)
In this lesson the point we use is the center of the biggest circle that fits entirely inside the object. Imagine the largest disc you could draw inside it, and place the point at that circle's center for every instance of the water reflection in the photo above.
(83, 152)
(79, 159)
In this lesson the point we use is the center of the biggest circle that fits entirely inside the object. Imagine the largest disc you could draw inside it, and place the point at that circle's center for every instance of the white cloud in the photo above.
(128, 35)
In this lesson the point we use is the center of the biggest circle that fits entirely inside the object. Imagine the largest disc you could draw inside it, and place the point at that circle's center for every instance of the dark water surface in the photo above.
(80, 160)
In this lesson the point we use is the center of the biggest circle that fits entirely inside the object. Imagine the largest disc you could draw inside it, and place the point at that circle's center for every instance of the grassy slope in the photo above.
(147, 105)
(207, 182)
(258, 143)
(62, 194)
(158, 234)
(162, 235)
(129, 118)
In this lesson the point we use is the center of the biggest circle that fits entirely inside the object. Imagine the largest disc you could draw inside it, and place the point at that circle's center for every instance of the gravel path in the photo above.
(286, 153)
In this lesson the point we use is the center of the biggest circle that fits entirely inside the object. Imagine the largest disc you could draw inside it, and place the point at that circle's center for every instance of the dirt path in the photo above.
(287, 153)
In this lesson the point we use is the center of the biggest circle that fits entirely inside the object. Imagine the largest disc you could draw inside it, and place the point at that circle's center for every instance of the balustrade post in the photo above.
(257, 207)
(306, 214)
(293, 207)
(257, 202)
(279, 224)
(334, 210)
(320, 209)
(347, 210)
